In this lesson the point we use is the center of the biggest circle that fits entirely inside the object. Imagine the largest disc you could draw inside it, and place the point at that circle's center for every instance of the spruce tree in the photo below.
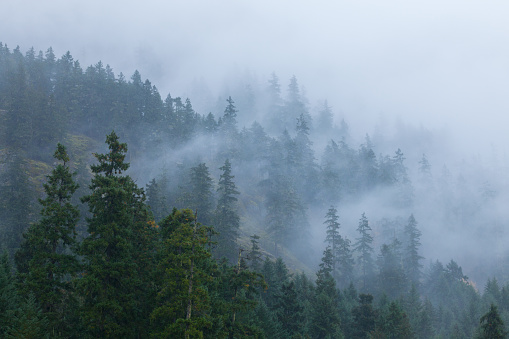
(227, 221)
(412, 257)
(183, 302)
(48, 250)
(200, 198)
(117, 253)
(9, 299)
(364, 317)
(492, 326)
(365, 250)
(255, 255)
(326, 321)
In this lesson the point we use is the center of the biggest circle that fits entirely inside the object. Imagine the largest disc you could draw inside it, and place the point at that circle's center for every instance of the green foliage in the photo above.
(46, 257)
(492, 326)
(117, 251)
(365, 250)
(9, 299)
(183, 301)
(227, 221)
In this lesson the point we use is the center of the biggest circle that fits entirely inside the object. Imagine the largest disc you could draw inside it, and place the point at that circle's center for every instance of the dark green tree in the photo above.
(412, 258)
(116, 282)
(48, 250)
(492, 326)
(391, 277)
(255, 255)
(326, 321)
(183, 301)
(17, 201)
(29, 321)
(364, 317)
(199, 194)
(227, 221)
(156, 199)
(395, 323)
(9, 300)
(289, 310)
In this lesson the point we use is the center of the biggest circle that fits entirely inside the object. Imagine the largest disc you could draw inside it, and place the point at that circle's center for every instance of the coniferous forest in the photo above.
(125, 214)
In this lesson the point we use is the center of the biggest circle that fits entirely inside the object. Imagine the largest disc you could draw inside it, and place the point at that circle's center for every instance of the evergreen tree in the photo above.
(49, 244)
(332, 237)
(492, 326)
(365, 250)
(200, 198)
(412, 257)
(326, 321)
(255, 255)
(364, 317)
(289, 310)
(229, 130)
(116, 282)
(17, 200)
(227, 221)
(405, 192)
(29, 321)
(9, 299)
(395, 323)
(183, 302)
(156, 200)
(391, 277)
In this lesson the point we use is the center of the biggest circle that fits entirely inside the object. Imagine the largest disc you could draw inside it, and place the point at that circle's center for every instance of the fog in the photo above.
(430, 78)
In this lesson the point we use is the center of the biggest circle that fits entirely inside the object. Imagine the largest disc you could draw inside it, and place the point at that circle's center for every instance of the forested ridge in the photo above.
(213, 232)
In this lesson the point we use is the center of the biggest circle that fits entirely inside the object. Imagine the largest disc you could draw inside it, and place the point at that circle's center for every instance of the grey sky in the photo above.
(431, 62)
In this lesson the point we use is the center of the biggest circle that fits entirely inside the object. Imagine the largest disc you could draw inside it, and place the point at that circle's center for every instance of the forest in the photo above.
(126, 215)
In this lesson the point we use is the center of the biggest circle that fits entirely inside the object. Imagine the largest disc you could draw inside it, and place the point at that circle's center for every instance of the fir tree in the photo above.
(227, 221)
(200, 198)
(492, 326)
(365, 250)
(412, 257)
(183, 301)
(255, 255)
(364, 317)
(48, 250)
(117, 252)
(326, 321)
(9, 299)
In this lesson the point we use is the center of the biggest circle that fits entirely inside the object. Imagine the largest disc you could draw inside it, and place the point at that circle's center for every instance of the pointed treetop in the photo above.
(112, 162)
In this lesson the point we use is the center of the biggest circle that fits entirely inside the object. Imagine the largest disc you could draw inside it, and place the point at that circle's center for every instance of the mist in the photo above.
(428, 78)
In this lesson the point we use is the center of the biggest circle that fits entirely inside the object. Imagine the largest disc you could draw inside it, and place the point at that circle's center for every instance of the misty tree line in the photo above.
(113, 271)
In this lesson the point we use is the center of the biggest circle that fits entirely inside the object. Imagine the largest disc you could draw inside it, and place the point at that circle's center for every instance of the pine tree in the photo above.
(492, 326)
(117, 253)
(229, 130)
(200, 198)
(289, 310)
(326, 321)
(345, 263)
(29, 321)
(48, 250)
(364, 247)
(255, 255)
(412, 257)
(391, 277)
(17, 201)
(9, 299)
(364, 317)
(156, 200)
(183, 301)
(333, 237)
(395, 324)
(227, 221)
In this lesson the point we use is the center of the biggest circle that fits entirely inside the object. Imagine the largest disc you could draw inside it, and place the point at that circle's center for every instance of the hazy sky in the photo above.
(431, 62)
